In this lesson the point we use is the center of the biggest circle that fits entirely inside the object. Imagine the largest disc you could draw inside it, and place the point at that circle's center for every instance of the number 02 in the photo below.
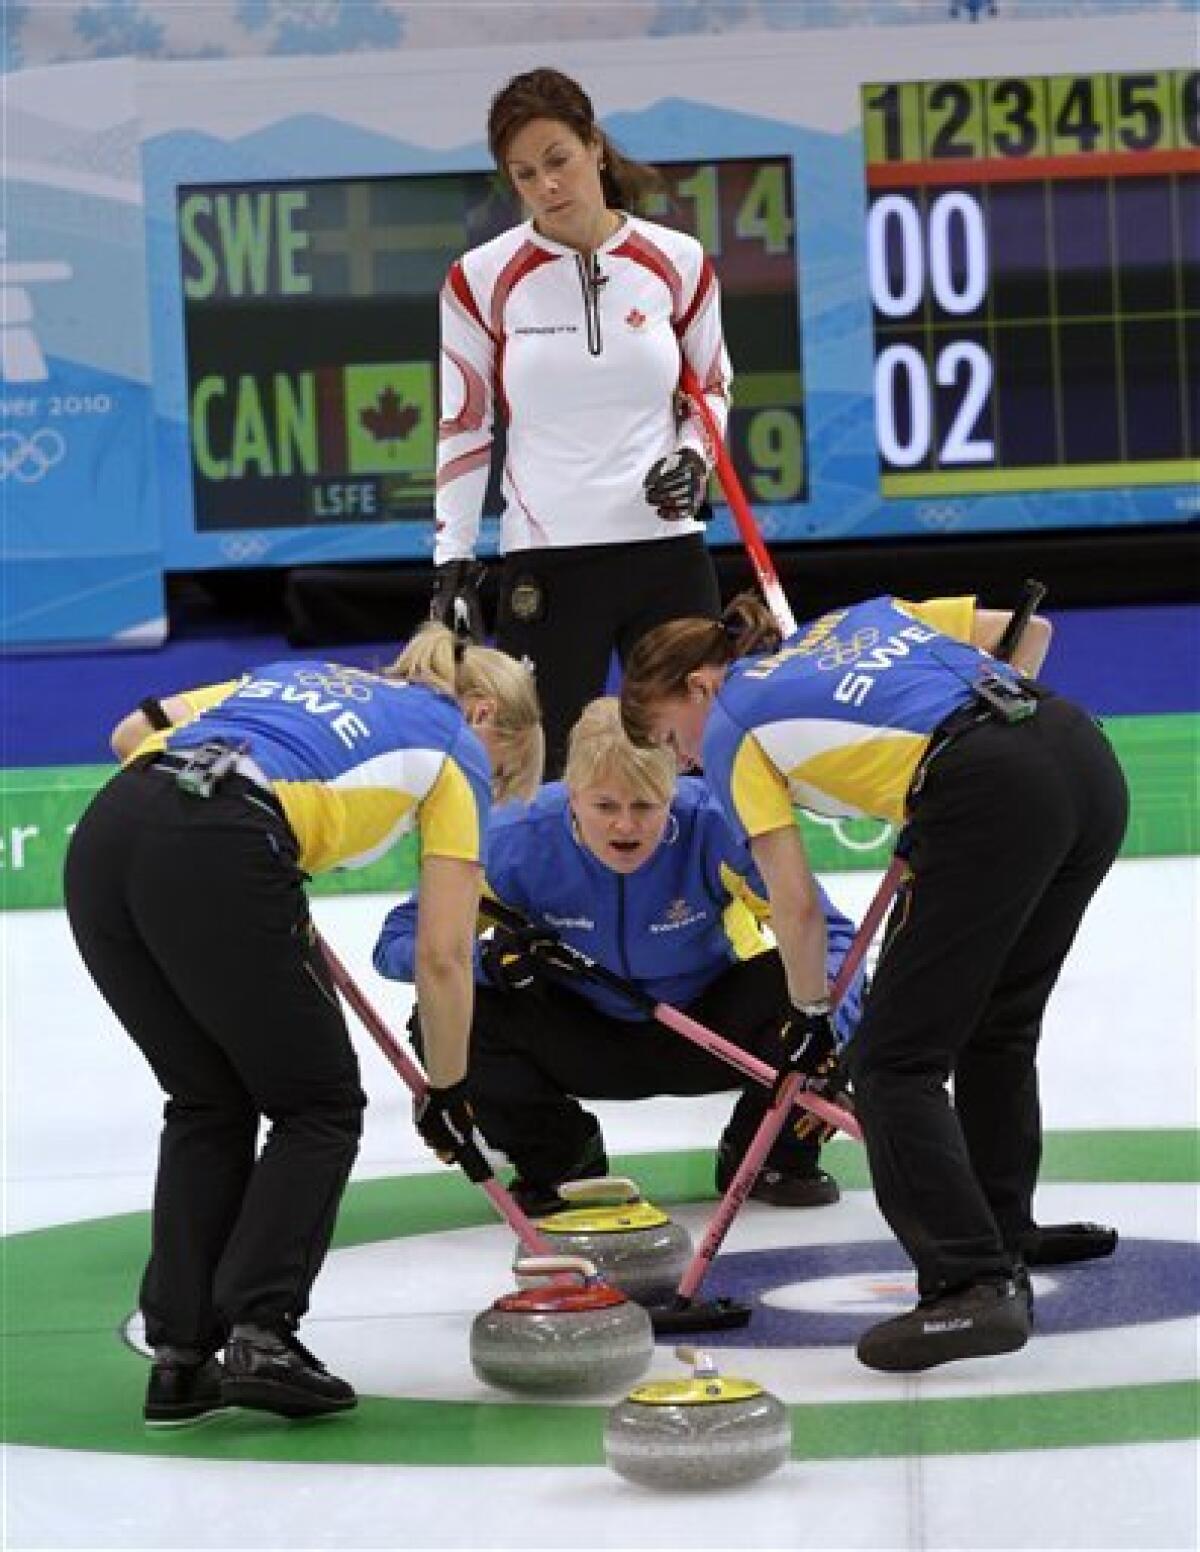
(960, 444)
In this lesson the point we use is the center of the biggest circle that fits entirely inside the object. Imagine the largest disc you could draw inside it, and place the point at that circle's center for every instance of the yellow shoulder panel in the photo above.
(952, 616)
(448, 818)
(760, 791)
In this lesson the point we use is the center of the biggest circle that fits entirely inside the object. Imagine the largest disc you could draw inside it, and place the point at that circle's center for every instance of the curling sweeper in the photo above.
(562, 1337)
(705, 1431)
(633, 1244)
(677, 1310)
(571, 1336)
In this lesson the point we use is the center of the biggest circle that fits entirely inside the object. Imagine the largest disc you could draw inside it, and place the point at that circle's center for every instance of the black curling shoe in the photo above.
(269, 1370)
(981, 1321)
(1058, 1244)
(538, 1200)
(805, 1185)
(182, 1389)
(794, 1188)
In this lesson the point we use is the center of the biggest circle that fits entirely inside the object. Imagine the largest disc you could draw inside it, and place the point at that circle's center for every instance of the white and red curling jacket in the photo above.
(582, 361)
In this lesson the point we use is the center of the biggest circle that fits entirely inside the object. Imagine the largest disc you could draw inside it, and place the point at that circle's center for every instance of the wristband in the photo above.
(152, 709)
(819, 1009)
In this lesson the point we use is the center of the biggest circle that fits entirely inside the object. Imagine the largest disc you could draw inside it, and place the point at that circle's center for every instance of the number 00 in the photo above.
(955, 252)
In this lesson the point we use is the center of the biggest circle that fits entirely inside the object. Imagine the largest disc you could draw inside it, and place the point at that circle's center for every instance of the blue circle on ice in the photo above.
(827, 1295)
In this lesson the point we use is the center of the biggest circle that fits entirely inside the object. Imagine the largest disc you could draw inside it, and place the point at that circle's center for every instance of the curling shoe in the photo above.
(980, 1321)
(269, 1370)
(184, 1388)
(803, 1186)
(1058, 1244)
(537, 1200)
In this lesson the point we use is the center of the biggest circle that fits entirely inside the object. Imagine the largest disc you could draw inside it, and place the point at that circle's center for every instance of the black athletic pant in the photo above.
(1012, 831)
(533, 1052)
(567, 609)
(191, 916)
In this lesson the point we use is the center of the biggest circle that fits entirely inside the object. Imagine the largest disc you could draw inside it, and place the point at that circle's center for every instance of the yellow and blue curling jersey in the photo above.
(694, 908)
(837, 719)
(356, 760)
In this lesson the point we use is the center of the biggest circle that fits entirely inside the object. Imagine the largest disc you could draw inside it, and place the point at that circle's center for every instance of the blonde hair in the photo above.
(599, 751)
(658, 667)
(437, 658)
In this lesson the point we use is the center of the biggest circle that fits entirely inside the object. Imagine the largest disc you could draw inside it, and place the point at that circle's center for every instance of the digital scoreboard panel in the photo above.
(1033, 248)
(311, 334)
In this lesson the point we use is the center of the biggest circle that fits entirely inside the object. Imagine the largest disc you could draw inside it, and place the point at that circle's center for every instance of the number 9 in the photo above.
(775, 442)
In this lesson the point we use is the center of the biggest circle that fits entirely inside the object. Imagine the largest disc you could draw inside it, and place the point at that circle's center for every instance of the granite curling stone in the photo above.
(570, 1336)
(634, 1245)
(705, 1431)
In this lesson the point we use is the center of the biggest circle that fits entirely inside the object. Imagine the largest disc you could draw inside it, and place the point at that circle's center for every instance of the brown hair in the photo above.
(549, 94)
(599, 751)
(435, 657)
(659, 665)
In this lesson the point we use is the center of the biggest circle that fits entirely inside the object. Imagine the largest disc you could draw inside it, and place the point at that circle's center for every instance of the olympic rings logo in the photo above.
(838, 652)
(343, 685)
(30, 458)
(870, 842)
(943, 515)
(244, 549)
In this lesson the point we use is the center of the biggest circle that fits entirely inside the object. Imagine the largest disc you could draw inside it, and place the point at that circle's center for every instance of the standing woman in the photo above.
(574, 327)
(185, 891)
(1014, 807)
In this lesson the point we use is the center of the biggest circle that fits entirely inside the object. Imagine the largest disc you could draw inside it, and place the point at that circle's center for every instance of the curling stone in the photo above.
(571, 1336)
(634, 1245)
(700, 1432)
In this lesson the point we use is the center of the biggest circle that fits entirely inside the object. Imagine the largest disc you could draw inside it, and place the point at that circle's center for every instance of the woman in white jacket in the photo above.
(573, 329)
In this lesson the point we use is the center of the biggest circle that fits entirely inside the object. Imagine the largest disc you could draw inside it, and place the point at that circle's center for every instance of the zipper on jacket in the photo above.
(590, 282)
(625, 967)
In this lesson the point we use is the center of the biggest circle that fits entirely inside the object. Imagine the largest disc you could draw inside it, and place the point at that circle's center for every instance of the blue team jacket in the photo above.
(675, 925)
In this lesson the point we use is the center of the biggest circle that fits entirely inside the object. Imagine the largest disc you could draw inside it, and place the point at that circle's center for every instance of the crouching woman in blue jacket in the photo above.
(644, 875)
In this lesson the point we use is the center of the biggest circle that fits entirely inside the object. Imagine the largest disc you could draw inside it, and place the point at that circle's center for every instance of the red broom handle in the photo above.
(760, 556)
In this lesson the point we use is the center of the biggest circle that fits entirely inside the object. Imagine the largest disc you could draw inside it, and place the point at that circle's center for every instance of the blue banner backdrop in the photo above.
(81, 547)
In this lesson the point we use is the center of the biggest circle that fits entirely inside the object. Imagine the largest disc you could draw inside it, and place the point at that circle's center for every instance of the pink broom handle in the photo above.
(708, 1039)
(790, 1091)
(567, 961)
(531, 1241)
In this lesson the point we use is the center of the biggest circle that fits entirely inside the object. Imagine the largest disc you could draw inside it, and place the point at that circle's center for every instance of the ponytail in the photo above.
(546, 93)
(436, 657)
(627, 185)
(430, 658)
(750, 625)
(659, 665)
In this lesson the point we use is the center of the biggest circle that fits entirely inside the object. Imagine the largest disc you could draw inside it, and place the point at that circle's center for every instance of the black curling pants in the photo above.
(191, 917)
(535, 1053)
(1011, 833)
(567, 609)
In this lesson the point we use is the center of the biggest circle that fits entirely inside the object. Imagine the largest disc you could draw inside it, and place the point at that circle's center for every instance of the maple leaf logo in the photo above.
(389, 419)
(634, 318)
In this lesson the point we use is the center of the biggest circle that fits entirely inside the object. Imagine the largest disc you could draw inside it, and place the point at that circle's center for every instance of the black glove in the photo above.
(807, 1046)
(447, 1125)
(455, 600)
(509, 957)
(837, 1092)
(676, 484)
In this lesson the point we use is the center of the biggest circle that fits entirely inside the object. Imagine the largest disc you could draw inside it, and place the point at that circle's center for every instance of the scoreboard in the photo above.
(960, 282)
(311, 332)
(1033, 257)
